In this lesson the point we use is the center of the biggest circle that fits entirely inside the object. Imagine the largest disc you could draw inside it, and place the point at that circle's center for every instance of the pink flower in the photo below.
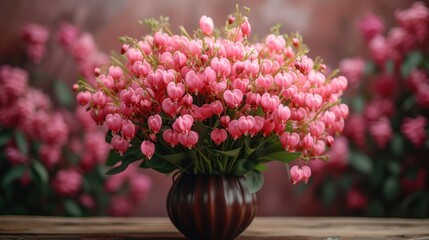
(371, 26)
(379, 49)
(416, 79)
(36, 37)
(206, 25)
(67, 34)
(422, 95)
(140, 186)
(313, 101)
(128, 130)
(189, 140)
(147, 148)
(307, 141)
(154, 122)
(83, 98)
(289, 141)
(300, 174)
(114, 122)
(381, 131)
(234, 129)
(67, 182)
(183, 124)
(269, 103)
(170, 107)
(175, 91)
(415, 20)
(87, 201)
(339, 153)
(14, 156)
(218, 135)
(121, 206)
(276, 43)
(245, 124)
(50, 155)
(170, 137)
(385, 85)
(356, 200)
(120, 144)
(355, 129)
(410, 185)
(233, 98)
(317, 128)
(99, 99)
(353, 69)
(415, 130)
(296, 174)
(245, 27)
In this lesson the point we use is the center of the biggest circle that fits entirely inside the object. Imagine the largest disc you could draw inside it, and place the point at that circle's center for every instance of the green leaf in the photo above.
(409, 103)
(361, 162)
(21, 142)
(328, 192)
(411, 61)
(272, 146)
(119, 168)
(109, 136)
(247, 149)
(63, 93)
(358, 104)
(369, 68)
(72, 208)
(12, 175)
(4, 139)
(389, 66)
(397, 145)
(375, 209)
(159, 164)
(231, 153)
(40, 171)
(113, 158)
(281, 156)
(394, 168)
(244, 165)
(254, 180)
(175, 157)
(391, 188)
(260, 167)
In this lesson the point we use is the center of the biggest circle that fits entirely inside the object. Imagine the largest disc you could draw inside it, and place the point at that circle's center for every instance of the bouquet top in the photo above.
(210, 104)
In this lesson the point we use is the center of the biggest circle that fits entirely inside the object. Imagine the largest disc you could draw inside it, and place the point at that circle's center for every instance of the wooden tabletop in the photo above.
(36, 227)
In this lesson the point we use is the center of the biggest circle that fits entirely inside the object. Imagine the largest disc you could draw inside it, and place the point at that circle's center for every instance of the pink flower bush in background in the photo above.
(52, 157)
(210, 104)
(387, 131)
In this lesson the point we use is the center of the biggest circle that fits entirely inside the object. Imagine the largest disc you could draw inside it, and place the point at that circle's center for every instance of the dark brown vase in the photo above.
(211, 206)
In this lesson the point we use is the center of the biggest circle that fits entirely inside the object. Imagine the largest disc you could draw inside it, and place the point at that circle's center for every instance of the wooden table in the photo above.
(28, 227)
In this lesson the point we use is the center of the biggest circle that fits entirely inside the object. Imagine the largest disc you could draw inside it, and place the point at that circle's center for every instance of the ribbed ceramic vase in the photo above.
(210, 206)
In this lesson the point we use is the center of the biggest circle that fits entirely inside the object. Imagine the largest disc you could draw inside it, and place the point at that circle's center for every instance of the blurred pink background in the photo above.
(328, 28)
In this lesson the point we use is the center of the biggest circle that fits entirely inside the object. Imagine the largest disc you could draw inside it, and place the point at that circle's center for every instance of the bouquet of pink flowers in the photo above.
(51, 156)
(386, 148)
(212, 103)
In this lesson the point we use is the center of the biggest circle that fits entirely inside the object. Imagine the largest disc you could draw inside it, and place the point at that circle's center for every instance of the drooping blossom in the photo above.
(206, 25)
(356, 200)
(414, 129)
(353, 69)
(371, 26)
(382, 132)
(67, 182)
(35, 36)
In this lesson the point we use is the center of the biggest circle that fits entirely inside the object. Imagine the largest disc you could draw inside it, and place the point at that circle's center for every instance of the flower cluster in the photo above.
(387, 131)
(206, 104)
(49, 165)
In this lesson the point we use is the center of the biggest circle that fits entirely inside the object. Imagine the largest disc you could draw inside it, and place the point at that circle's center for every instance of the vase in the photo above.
(210, 206)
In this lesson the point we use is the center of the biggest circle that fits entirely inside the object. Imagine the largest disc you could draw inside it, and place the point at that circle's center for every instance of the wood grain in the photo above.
(36, 227)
